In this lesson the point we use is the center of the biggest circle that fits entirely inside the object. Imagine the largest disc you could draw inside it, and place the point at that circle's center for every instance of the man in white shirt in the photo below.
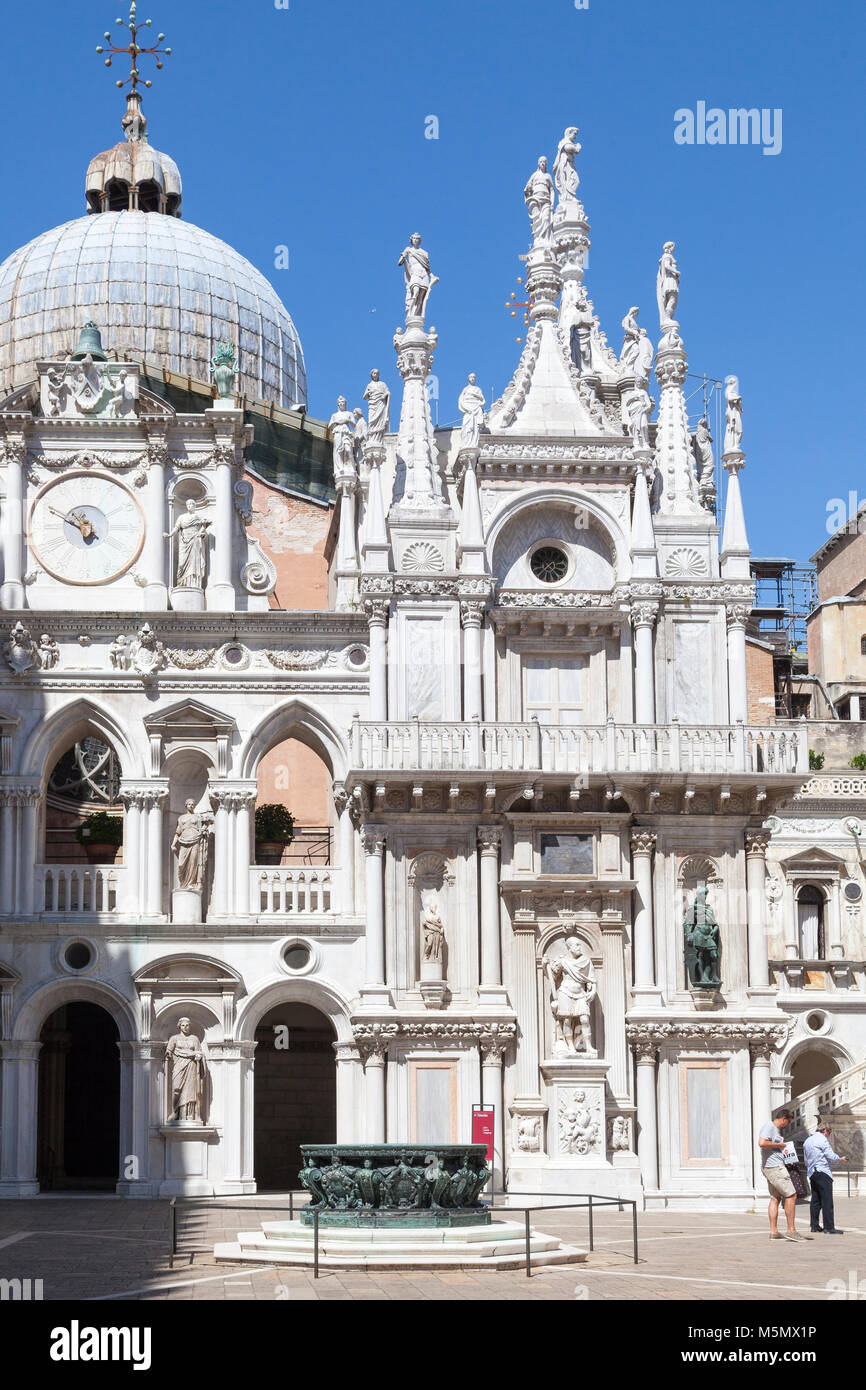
(771, 1142)
(819, 1154)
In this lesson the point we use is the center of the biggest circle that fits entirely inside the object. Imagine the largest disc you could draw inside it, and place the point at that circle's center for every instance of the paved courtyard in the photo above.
(106, 1248)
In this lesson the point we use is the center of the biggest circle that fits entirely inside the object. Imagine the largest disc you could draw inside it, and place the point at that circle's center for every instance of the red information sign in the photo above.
(482, 1127)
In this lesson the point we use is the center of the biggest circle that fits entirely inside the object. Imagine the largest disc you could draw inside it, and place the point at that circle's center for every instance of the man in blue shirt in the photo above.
(819, 1155)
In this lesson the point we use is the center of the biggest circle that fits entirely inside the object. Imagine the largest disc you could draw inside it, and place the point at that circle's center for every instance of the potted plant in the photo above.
(275, 828)
(101, 834)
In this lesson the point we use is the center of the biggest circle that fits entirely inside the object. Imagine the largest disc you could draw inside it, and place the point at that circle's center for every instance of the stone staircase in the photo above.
(843, 1101)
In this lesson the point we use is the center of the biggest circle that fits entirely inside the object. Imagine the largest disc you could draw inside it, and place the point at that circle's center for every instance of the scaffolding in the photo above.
(785, 594)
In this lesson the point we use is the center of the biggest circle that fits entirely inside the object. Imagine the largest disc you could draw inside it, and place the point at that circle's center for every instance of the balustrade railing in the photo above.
(78, 889)
(842, 1089)
(293, 892)
(716, 750)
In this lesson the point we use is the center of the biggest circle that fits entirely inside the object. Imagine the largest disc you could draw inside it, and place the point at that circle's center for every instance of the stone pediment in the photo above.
(812, 860)
(189, 716)
(188, 974)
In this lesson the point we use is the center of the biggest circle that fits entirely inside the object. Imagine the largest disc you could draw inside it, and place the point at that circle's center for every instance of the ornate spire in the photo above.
(416, 444)
(134, 123)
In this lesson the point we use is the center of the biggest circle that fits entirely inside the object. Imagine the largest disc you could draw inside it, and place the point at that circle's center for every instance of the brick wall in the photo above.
(292, 533)
(759, 684)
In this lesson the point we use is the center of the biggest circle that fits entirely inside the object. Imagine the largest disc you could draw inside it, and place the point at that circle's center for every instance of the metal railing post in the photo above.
(634, 1228)
(591, 1246)
(172, 1231)
(316, 1244)
(528, 1245)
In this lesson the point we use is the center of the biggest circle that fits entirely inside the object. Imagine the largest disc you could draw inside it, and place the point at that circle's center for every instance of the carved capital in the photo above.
(377, 610)
(737, 615)
(757, 842)
(373, 839)
(643, 614)
(472, 614)
(642, 841)
(489, 839)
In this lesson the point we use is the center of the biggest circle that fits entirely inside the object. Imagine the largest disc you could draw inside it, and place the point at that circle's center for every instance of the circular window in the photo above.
(234, 655)
(853, 892)
(549, 564)
(357, 656)
(78, 955)
(297, 956)
(815, 1022)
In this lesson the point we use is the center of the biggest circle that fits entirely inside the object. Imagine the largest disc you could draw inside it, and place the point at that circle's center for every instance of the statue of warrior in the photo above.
(703, 943)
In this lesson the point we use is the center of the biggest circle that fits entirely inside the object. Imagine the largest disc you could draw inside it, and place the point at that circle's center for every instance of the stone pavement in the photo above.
(107, 1248)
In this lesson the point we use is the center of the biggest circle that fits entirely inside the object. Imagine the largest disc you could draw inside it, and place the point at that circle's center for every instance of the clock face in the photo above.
(86, 528)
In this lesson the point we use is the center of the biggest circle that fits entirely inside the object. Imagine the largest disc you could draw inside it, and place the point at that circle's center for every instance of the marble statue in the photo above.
(581, 331)
(190, 846)
(471, 403)
(638, 403)
(573, 984)
(564, 173)
(191, 531)
(667, 285)
(419, 282)
(49, 652)
(631, 339)
(733, 415)
(703, 944)
(644, 358)
(579, 1123)
(146, 652)
(188, 1066)
(433, 931)
(378, 397)
(527, 1133)
(702, 442)
(359, 433)
(539, 194)
(224, 366)
(21, 651)
(118, 653)
(340, 425)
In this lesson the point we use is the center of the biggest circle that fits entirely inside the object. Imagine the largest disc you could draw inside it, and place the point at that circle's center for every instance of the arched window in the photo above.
(810, 922)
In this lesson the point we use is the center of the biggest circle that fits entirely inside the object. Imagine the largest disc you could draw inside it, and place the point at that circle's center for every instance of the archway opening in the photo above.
(812, 1068)
(295, 1091)
(83, 811)
(292, 775)
(79, 1100)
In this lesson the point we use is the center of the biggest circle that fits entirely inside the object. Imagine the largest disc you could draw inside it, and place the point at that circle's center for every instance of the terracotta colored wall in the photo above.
(293, 533)
(759, 684)
(834, 637)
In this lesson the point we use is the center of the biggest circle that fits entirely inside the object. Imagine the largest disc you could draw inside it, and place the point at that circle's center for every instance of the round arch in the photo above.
(319, 994)
(296, 720)
(829, 1047)
(558, 497)
(69, 723)
(44, 1001)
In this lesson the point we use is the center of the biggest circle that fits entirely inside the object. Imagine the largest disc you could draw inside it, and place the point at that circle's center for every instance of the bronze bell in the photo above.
(89, 344)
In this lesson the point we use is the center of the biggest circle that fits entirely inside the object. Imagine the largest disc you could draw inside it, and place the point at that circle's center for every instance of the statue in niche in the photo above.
(378, 398)
(667, 285)
(581, 331)
(432, 931)
(702, 444)
(188, 1068)
(564, 173)
(631, 339)
(419, 282)
(538, 195)
(191, 531)
(573, 984)
(471, 403)
(733, 415)
(638, 403)
(224, 366)
(341, 425)
(190, 845)
(703, 943)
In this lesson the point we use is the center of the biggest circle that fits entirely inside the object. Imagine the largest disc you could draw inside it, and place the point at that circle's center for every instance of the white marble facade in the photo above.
(530, 696)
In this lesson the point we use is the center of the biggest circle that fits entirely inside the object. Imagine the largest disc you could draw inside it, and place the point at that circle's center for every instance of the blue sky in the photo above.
(306, 127)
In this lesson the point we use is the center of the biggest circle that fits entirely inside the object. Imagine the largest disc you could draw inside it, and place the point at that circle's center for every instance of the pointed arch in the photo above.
(67, 724)
(298, 720)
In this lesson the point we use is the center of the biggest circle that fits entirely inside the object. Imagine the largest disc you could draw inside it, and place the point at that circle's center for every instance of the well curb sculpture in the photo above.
(394, 1185)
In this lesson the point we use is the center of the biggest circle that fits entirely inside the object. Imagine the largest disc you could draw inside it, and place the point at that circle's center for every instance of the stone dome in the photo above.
(161, 291)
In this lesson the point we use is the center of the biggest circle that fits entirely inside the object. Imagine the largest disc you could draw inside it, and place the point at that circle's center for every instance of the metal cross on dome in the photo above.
(134, 50)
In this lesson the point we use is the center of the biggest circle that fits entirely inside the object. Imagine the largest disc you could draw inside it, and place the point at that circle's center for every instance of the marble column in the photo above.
(346, 849)
(738, 700)
(647, 1120)
(642, 846)
(377, 614)
(491, 1094)
(525, 975)
(348, 1091)
(19, 1112)
(374, 859)
(490, 991)
(155, 598)
(12, 591)
(643, 616)
(132, 847)
(220, 590)
(219, 799)
(762, 1103)
(153, 815)
(29, 851)
(346, 568)
(7, 851)
(374, 1080)
(614, 1001)
(472, 616)
(756, 892)
(245, 802)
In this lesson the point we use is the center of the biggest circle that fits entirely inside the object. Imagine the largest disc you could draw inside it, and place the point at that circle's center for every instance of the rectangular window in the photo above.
(566, 854)
(553, 689)
(704, 1114)
(433, 1102)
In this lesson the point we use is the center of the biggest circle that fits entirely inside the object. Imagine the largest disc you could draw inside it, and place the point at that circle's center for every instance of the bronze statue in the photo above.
(703, 944)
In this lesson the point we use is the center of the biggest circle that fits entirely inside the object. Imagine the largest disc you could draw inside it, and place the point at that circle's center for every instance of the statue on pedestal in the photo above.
(631, 339)
(564, 173)
(471, 403)
(359, 433)
(733, 416)
(340, 425)
(539, 195)
(573, 984)
(581, 331)
(419, 282)
(667, 285)
(432, 931)
(378, 397)
(224, 366)
(702, 443)
(191, 531)
(190, 846)
(638, 403)
(188, 1067)
(703, 943)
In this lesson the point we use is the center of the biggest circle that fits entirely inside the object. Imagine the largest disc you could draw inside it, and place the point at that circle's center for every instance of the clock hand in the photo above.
(84, 524)
(70, 517)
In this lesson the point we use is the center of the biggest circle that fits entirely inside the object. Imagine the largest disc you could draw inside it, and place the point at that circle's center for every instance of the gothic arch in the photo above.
(536, 499)
(298, 720)
(65, 725)
(318, 993)
(43, 1002)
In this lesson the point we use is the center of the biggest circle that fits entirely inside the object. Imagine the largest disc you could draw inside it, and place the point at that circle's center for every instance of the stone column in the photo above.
(642, 846)
(525, 929)
(756, 891)
(12, 592)
(614, 987)
(153, 803)
(29, 851)
(7, 851)
(244, 806)
(491, 1094)
(762, 1101)
(647, 1122)
(346, 848)
(374, 1076)
(220, 590)
(346, 568)
(375, 989)
(377, 614)
(219, 798)
(155, 598)
(349, 1108)
(19, 1119)
(643, 616)
(132, 847)
(490, 991)
(472, 616)
(738, 700)
(835, 948)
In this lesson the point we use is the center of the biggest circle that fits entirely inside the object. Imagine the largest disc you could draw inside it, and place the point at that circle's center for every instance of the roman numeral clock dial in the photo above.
(86, 529)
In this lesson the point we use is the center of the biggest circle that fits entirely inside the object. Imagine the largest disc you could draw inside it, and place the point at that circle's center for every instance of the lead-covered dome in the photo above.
(161, 290)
